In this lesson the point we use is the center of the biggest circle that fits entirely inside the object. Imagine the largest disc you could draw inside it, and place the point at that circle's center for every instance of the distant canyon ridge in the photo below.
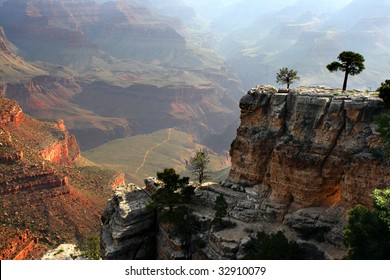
(95, 73)
(113, 70)
(118, 69)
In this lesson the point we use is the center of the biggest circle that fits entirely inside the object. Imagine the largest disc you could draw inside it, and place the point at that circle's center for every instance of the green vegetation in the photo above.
(220, 209)
(383, 122)
(171, 201)
(287, 77)
(274, 246)
(58, 252)
(350, 62)
(382, 204)
(384, 93)
(199, 165)
(367, 235)
(90, 248)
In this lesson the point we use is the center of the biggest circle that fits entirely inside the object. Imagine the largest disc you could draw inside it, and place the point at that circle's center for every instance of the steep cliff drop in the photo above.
(300, 161)
(45, 199)
(312, 153)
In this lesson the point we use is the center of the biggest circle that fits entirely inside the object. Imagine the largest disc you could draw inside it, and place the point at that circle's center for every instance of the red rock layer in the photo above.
(41, 190)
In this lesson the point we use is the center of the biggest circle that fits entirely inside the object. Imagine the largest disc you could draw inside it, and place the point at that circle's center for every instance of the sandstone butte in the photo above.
(300, 161)
(46, 198)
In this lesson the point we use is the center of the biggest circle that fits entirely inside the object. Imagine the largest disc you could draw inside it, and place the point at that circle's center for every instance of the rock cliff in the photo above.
(129, 227)
(311, 147)
(310, 154)
(124, 55)
(44, 197)
(300, 161)
(50, 97)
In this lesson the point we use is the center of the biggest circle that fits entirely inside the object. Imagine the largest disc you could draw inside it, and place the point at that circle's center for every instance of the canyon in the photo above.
(300, 161)
(98, 66)
(105, 72)
(46, 196)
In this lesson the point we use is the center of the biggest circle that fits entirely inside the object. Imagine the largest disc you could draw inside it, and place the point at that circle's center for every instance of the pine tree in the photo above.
(199, 166)
(220, 208)
(351, 63)
(286, 76)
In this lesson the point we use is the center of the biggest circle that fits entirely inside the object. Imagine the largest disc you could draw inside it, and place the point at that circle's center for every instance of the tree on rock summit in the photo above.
(350, 62)
(199, 165)
(287, 76)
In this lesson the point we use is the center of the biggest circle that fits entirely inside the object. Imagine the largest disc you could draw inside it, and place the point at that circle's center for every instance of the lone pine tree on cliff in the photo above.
(350, 62)
(199, 165)
(287, 76)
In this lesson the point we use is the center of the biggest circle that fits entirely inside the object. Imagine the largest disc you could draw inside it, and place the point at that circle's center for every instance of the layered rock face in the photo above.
(51, 97)
(44, 198)
(129, 227)
(300, 161)
(312, 147)
(197, 110)
(125, 55)
(57, 145)
(10, 113)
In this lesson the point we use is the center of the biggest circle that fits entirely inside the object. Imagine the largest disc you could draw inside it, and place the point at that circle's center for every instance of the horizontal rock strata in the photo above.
(308, 148)
(129, 226)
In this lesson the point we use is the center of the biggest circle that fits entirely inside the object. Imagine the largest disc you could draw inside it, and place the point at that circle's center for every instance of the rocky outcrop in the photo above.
(129, 226)
(204, 242)
(64, 152)
(44, 198)
(304, 146)
(310, 154)
(60, 147)
(23, 244)
(64, 252)
(300, 161)
(10, 113)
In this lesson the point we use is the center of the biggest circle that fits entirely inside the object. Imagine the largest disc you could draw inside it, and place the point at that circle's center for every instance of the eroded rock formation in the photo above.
(311, 147)
(300, 161)
(129, 226)
(44, 198)
(312, 154)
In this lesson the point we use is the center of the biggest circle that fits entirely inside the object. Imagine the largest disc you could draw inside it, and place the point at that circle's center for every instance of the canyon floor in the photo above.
(144, 155)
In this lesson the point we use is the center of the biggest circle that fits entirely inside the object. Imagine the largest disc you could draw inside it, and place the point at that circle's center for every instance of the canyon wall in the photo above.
(310, 147)
(300, 161)
(199, 110)
(49, 97)
(45, 199)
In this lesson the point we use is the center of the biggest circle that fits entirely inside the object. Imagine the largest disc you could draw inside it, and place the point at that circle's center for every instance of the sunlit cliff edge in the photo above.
(46, 196)
(300, 161)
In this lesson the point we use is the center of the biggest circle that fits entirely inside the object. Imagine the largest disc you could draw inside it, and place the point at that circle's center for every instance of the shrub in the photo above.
(383, 122)
(367, 234)
(220, 209)
(90, 248)
(274, 246)
(384, 92)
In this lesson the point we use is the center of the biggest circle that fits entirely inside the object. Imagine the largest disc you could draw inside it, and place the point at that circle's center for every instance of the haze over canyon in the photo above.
(95, 93)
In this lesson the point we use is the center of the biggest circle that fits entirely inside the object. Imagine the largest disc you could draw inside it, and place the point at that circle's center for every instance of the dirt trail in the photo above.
(152, 148)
